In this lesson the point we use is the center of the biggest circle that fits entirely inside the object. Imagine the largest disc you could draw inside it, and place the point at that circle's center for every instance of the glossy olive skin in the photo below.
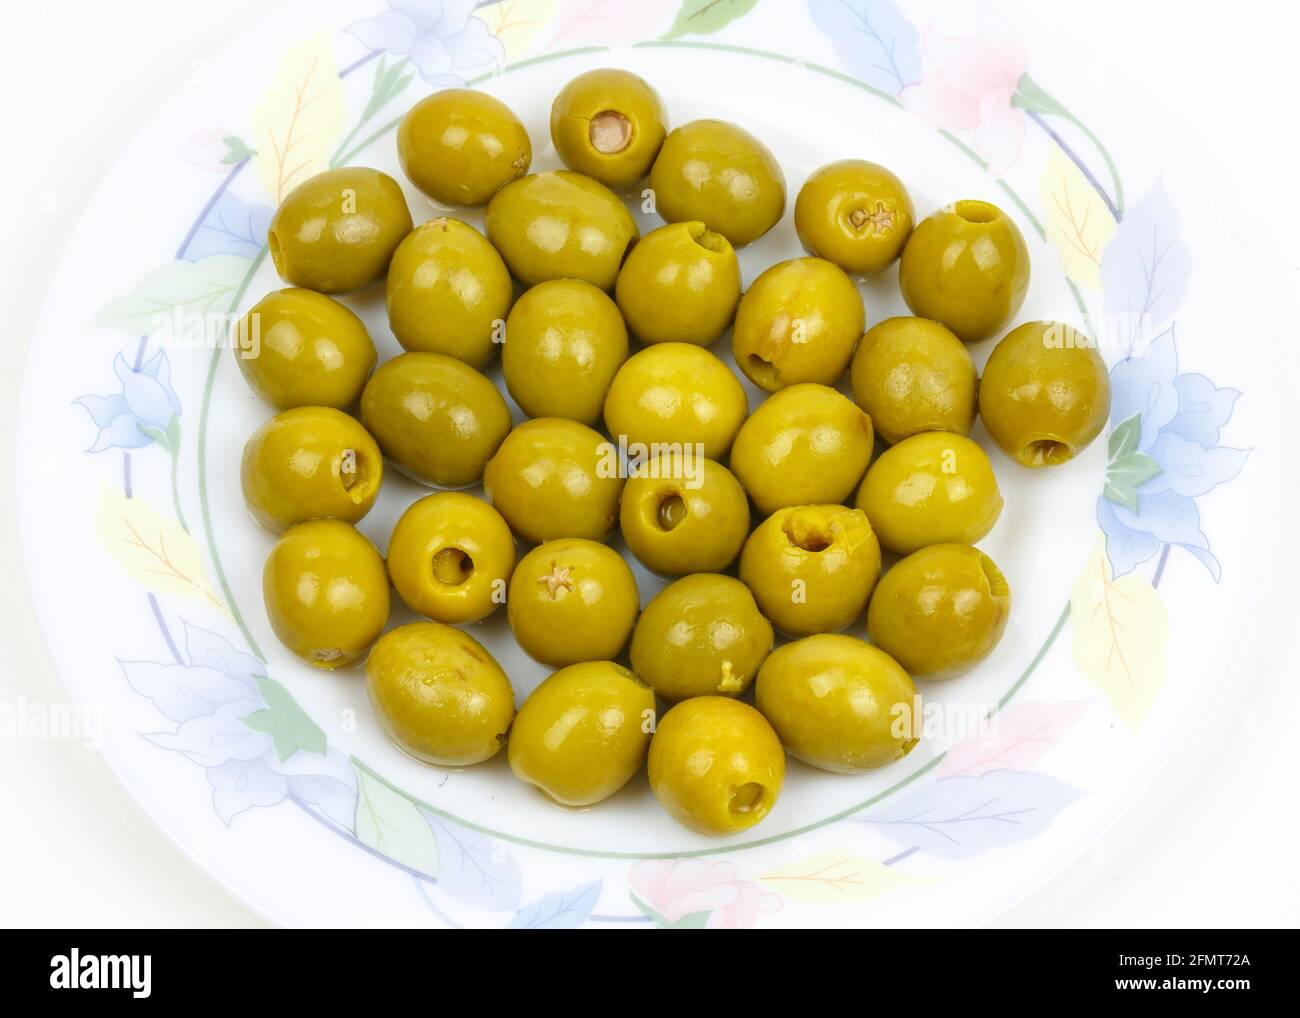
(804, 445)
(700, 635)
(555, 478)
(448, 292)
(609, 124)
(675, 393)
(436, 418)
(439, 694)
(300, 348)
(854, 213)
(838, 703)
(564, 341)
(561, 225)
(460, 146)
(940, 611)
(583, 733)
(912, 375)
(1045, 393)
(450, 557)
(679, 284)
(326, 592)
(811, 568)
(681, 515)
(338, 230)
(798, 322)
(721, 175)
(967, 267)
(716, 765)
(932, 488)
(310, 463)
(572, 600)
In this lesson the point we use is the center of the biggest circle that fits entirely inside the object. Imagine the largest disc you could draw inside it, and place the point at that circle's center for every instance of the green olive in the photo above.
(932, 488)
(684, 515)
(676, 394)
(721, 175)
(680, 284)
(436, 418)
(854, 213)
(1045, 393)
(811, 568)
(310, 463)
(338, 230)
(450, 557)
(967, 267)
(699, 635)
(572, 600)
(912, 375)
(300, 348)
(564, 341)
(716, 765)
(460, 146)
(799, 322)
(805, 445)
(555, 478)
(439, 694)
(838, 703)
(326, 592)
(448, 292)
(608, 124)
(583, 733)
(561, 225)
(940, 611)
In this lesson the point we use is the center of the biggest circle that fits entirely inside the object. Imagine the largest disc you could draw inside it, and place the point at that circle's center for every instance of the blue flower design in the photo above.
(440, 37)
(252, 739)
(143, 412)
(1164, 454)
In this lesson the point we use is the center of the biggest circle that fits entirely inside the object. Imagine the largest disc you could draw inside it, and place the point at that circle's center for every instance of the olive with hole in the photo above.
(337, 231)
(297, 348)
(439, 694)
(940, 611)
(448, 292)
(450, 557)
(609, 124)
(460, 146)
(310, 463)
(436, 418)
(716, 765)
(854, 213)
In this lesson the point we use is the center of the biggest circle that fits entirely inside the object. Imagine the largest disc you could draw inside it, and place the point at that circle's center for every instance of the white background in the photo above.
(1211, 844)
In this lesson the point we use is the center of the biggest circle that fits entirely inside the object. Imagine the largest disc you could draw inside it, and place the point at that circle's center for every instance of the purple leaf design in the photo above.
(233, 227)
(1145, 267)
(563, 910)
(873, 39)
(961, 816)
(474, 867)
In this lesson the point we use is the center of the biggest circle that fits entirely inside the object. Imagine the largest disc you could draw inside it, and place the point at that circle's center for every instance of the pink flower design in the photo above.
(208, 149)
(972, 90)
(676, 888)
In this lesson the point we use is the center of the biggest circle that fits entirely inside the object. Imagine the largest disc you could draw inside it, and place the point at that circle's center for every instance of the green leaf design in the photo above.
(237, 150)
(693, 921)
(392, 825)
(1125, 475)
(1031, 96)
(1124, 439)
(284, 721)
(173, 291)
(702, 17)
(169, 438)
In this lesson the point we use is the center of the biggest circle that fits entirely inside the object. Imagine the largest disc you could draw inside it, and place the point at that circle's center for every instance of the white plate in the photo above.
(145, 567)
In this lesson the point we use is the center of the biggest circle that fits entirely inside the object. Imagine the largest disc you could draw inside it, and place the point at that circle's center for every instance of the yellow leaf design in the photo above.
(837, 878)
(153, 549)
(1120, 634)
(516, 23)
(299, 117)
(1076, 219)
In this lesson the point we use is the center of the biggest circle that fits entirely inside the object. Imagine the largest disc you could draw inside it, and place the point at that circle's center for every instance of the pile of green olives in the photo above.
(853, 495)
